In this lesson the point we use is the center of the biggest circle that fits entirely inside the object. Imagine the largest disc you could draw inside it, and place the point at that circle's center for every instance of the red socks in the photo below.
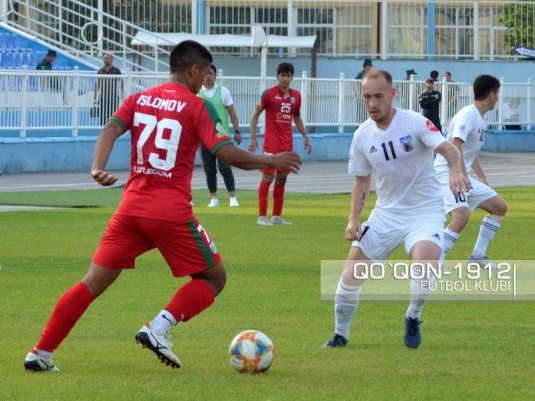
(190, 300)
(263, 193)
(69, 308)
(278, 199)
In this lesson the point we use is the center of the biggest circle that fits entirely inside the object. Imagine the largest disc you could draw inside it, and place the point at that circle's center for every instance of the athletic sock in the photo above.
(346, 302)
(263, 193)
(487, 231)
(69, 308)
(190, 300)
(162, 323)
(420, 291)
(450, 238)
(278, 199)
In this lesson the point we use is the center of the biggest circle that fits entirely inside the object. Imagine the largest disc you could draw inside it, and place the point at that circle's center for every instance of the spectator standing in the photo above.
(46, 63)
(434, 75)
(222, 101)
(453, 95)
(106, 89)
(430, 103)
(366, 66)
(409, 73)
(511, 114)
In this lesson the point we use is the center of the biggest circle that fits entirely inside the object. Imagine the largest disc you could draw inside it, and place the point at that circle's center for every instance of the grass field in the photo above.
(470, 351)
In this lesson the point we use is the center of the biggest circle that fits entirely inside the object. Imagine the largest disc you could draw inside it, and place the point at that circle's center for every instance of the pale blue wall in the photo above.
(76, 154)
(462, 71)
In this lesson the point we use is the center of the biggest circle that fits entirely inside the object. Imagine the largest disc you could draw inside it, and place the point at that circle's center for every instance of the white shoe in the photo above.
(214, 202)
(39, 364)
(279, 220)
(234, 202)
(264, 221)
(160, 345)
(483, 262)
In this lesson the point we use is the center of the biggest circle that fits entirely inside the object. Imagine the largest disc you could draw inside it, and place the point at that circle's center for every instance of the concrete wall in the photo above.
(76, 154)
(462, 71)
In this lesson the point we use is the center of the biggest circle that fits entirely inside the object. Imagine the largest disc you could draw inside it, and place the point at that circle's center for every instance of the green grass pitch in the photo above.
(470, 351)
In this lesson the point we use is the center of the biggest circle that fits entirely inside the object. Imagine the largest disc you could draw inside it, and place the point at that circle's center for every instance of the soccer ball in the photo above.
(251, 351)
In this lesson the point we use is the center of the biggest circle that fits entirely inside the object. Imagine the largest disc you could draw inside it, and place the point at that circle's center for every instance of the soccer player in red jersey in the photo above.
(282, 105)
(166, 124)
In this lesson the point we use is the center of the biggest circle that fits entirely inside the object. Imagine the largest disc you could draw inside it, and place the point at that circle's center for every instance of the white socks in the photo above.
(162, 323)
(487, 231)
(346, 301)
(43, 354)
(420, 291)
(450, 238)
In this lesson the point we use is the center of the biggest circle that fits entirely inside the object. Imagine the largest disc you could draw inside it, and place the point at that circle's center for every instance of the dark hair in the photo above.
(374, 74)
(429, 81)
(186, 54)
(484, 85)
(285, 68)
(434, 74)
(212, 67)
(447, 73)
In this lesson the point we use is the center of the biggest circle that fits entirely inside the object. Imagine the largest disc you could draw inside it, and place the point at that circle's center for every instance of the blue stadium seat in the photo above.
(2, 42)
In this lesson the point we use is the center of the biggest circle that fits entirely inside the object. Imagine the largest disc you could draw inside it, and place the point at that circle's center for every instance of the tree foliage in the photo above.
(519, 21)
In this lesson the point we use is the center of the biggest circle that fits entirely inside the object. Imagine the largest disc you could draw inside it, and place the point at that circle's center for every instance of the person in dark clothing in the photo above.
(430, 103)
(106, 89)
(46, 63)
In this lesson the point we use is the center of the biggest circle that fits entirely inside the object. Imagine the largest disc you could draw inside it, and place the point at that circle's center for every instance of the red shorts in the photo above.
(273, 171)
(186, 247)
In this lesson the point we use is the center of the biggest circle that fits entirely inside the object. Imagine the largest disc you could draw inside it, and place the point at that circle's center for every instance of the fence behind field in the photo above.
(60, 103)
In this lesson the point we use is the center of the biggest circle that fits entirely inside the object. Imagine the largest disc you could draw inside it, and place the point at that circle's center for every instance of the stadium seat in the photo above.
(2, 42)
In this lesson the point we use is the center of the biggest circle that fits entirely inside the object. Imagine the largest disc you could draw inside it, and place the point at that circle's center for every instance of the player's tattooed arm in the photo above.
(359, 196)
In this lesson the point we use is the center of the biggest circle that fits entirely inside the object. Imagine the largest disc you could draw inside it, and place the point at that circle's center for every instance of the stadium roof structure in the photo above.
(258, 38)
(224, 40)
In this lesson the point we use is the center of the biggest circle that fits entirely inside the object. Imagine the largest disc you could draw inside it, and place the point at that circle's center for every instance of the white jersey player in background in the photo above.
(466, 132)
(396, 146)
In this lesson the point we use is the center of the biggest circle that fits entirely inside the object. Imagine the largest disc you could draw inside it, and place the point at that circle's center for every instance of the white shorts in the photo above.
(384, 231)
(472, 199)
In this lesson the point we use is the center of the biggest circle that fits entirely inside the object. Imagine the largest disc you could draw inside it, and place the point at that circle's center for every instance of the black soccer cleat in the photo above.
(413, 338)
(336, 341)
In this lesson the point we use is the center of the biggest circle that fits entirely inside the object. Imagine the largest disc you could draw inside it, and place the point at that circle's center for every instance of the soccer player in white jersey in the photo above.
(466, 132)
(397, 146)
